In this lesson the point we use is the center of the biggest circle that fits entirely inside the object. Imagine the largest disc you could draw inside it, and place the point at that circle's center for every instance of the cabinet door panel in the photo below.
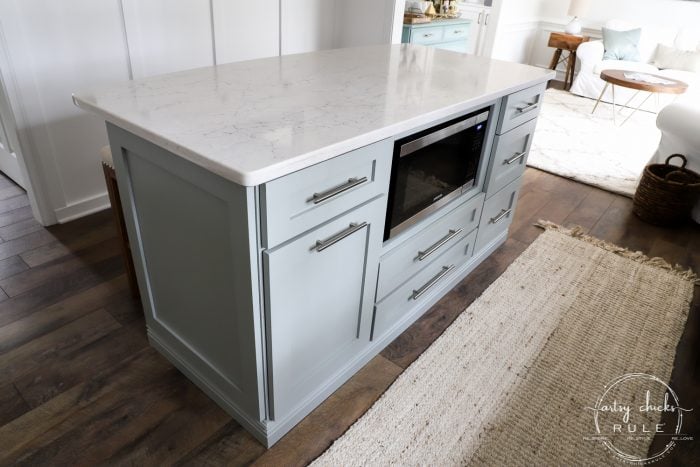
(476, 15)
(319, 304)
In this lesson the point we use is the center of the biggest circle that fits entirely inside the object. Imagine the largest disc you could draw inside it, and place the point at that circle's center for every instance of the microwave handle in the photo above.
(427, 140)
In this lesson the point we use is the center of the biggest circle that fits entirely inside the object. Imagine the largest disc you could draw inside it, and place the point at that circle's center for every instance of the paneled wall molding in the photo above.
(39, 196)
(56, 48)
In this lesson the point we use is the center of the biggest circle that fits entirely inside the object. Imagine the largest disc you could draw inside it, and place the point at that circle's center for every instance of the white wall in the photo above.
(665, 17)
(53, 48)
(230, 25)
(364, 22)
(307, 25)
(660, 13)
(516, 29)
(165, 36)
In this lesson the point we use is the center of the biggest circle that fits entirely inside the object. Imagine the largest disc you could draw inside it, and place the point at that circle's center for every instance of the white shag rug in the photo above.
(590, 148)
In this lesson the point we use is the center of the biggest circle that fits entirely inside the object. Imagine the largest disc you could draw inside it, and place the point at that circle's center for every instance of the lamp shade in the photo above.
(579, 8)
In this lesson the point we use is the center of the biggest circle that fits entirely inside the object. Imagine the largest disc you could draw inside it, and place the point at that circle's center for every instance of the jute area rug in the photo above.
(590, 148)
(512, 380)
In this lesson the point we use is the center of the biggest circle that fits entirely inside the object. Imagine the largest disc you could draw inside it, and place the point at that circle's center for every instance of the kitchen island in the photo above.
(256, 197)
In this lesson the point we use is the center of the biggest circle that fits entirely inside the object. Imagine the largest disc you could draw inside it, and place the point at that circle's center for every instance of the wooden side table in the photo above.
(562, 41)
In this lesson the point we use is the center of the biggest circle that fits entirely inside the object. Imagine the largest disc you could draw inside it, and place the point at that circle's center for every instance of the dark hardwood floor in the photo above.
(79, 384)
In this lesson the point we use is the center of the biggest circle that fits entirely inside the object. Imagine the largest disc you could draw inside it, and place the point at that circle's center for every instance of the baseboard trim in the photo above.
(82, 208)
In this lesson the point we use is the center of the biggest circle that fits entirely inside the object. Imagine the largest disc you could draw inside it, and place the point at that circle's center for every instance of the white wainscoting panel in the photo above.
(168, 35)
(363, 22)
(53, 49)
(515, 41)
(307, 25)
(245, 30)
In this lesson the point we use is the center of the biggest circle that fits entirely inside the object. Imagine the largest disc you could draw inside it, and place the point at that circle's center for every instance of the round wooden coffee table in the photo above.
(619, 78)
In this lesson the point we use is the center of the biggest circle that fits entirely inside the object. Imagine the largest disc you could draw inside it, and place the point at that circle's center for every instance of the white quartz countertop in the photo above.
(255, 121)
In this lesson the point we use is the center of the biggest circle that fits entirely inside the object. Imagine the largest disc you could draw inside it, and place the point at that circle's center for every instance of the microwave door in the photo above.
(420, 143)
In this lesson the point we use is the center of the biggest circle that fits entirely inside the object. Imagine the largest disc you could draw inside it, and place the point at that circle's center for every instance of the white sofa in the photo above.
(680, 134)
(589, 84)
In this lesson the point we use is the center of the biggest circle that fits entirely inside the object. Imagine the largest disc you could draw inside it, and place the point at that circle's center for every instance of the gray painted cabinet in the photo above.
(319, 296)
(270, 297)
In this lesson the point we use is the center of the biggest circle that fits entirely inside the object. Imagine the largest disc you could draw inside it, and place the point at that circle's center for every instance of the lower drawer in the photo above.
(498, 213)
(422, 286)
(415, 253)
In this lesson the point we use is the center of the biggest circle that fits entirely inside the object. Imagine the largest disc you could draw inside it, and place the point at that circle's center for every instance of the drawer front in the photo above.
(401, 263)
(422, 286)
(456, 32)
(520, 107)
(427, 35)
(509, 156)
(498, 213)
(300, 201)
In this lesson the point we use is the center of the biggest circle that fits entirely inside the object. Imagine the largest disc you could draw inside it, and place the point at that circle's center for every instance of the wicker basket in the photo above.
(667, 193)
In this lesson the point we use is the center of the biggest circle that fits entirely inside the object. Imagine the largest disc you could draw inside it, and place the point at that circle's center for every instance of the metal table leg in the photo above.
(605, 88)
(614, 107)
(638, 107)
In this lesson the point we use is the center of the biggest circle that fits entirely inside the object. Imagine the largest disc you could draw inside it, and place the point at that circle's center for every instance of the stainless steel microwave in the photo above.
(433, 167)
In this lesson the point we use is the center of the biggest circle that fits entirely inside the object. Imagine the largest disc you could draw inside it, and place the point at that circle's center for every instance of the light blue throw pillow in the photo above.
(622, 45)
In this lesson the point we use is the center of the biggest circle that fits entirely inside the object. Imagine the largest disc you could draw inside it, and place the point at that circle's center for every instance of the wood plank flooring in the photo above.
(79, 384)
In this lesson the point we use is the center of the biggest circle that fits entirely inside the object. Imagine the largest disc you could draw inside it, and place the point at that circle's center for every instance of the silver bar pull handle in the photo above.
(486, 19)
(431, 283)
(428, 35)
(326, 195)
(330, 241)
(528, 108)
(504, 213)
(439, 244)
(478, 20)
(515, 158)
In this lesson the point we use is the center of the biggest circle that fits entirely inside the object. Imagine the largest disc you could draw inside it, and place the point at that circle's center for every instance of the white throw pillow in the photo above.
(687, 39)
(672, 58)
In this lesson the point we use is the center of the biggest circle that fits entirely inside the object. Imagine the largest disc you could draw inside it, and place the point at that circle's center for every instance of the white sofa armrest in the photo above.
(682, 121)
(590, 53)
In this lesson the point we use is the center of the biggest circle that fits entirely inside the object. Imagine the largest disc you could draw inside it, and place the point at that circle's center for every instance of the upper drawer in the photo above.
(297, 202)
(520, 107)
(420, 250)
(509, 156)
(427, 35)
(456, 32)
